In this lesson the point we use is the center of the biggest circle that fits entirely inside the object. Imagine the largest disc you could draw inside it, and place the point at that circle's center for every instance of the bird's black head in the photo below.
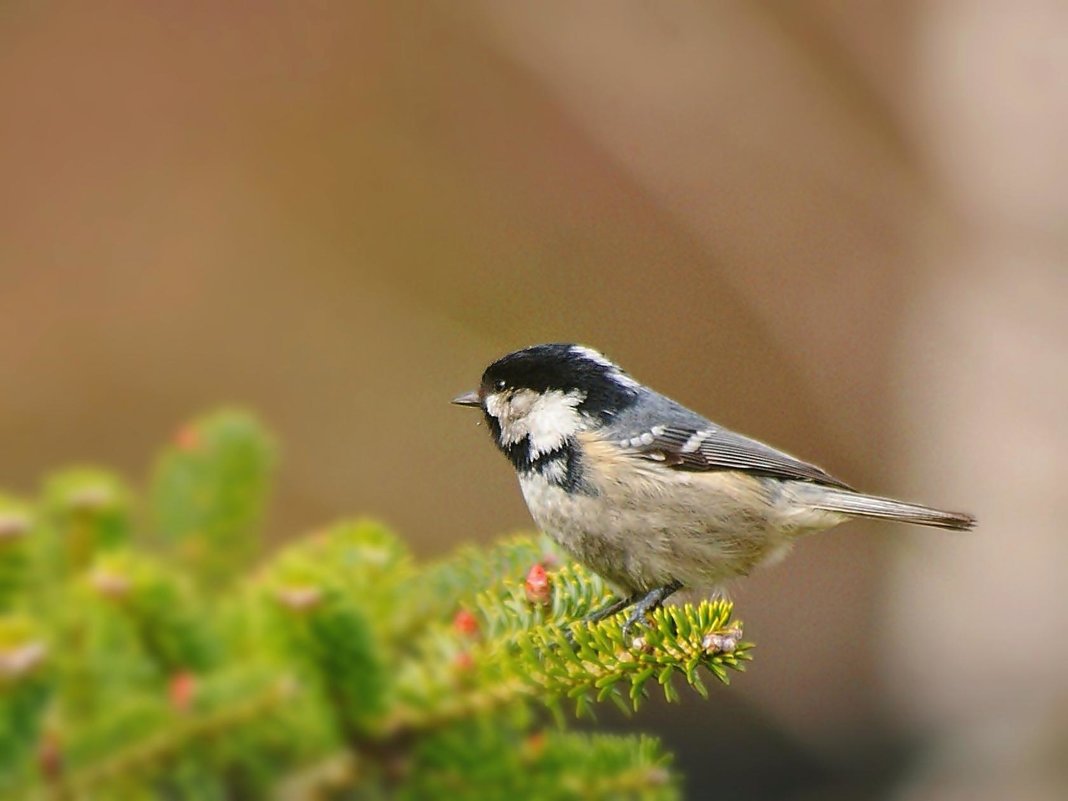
(600, 386)
(537, 399)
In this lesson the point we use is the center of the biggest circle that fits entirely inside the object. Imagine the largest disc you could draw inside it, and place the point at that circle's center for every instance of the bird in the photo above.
(648, 494)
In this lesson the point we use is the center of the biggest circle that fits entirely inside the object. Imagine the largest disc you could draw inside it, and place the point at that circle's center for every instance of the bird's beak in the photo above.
(467, 399)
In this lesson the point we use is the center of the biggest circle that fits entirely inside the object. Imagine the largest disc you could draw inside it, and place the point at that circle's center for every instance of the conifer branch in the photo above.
(186, 671)
(173, 735)
(535, 650)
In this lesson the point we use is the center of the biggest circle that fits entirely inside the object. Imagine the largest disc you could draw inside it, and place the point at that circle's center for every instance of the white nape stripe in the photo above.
(695, 440)
(615, 372)
(594, 356)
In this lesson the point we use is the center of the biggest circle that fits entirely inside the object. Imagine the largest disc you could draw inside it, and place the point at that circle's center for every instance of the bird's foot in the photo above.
(639, 604)
(651, 601)
(600, 613)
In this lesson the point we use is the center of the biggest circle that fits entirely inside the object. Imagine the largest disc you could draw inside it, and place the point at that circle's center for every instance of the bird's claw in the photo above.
(640, 606)
(650, 602)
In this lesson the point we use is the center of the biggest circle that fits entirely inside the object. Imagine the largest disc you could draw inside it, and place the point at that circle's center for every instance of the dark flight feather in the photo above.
(722, 449)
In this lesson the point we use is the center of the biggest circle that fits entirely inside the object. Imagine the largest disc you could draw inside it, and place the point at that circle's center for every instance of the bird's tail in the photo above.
(859, 505)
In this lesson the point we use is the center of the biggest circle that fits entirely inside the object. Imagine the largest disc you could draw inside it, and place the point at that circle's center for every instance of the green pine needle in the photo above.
(198, 669)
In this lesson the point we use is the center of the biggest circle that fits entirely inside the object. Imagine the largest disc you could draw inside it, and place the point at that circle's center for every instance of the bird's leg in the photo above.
(643, 605)
(602, 612)
(609, 609)
(652, 600)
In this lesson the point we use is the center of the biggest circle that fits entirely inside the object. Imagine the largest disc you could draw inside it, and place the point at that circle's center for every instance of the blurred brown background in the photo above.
(837, 227)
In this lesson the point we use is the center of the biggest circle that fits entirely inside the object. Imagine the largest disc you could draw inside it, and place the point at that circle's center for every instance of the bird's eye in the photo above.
(500, 384)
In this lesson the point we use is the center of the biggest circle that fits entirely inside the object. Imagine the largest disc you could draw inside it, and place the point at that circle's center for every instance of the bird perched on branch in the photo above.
(649, 494)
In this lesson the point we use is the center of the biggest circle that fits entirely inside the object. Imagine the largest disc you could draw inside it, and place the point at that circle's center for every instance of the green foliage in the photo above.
(493, 759)
(16, 569)
(158, 603)
(231, 736)
(85, 510)
(209, 490)
(339, 668)
(24, 690)
(447, 583)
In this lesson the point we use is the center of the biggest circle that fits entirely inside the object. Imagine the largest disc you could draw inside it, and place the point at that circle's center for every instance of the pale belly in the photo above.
(702, 529)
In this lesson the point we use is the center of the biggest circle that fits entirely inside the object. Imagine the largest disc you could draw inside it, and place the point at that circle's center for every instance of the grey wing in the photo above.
(715, 448)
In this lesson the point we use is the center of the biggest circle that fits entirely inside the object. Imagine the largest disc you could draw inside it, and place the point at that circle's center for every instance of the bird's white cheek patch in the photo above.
(553, 418)
(546, 419)
(510, 409)
(495, 406)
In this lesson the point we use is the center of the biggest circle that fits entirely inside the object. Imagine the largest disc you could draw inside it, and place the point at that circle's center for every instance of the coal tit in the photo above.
(651, 496)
